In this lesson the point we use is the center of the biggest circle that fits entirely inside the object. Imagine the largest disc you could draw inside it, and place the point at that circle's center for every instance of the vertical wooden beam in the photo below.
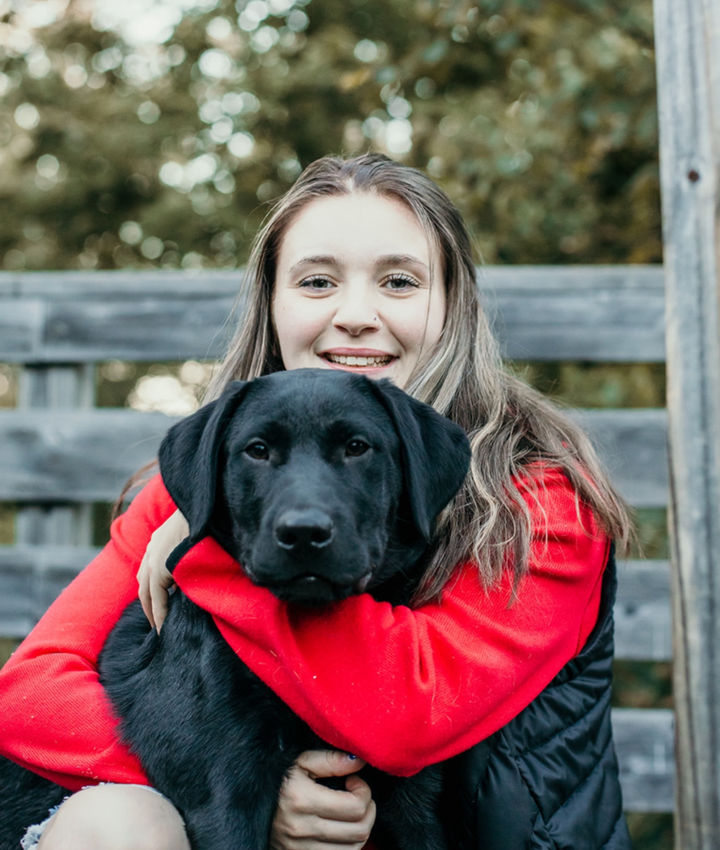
(52, 388)
(688, 63)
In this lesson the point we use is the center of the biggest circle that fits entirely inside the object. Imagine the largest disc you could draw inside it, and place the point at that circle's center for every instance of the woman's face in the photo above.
(357, 288)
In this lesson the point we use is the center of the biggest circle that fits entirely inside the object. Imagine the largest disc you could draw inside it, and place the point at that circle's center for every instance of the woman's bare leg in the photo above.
(115, 817)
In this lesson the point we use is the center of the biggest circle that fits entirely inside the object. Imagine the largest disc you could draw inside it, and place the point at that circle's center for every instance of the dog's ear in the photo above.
(435, 453)
(189, 458)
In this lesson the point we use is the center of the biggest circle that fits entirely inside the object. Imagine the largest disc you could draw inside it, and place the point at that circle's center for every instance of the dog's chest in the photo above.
(191, 688)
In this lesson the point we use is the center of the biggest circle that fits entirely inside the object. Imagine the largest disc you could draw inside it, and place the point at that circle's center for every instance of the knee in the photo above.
(115, 817)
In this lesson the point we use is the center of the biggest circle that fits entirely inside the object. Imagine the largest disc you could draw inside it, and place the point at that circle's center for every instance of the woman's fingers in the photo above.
(313, 817)
(161, 581)
(154, 578)
(143, 578)
(322, 764)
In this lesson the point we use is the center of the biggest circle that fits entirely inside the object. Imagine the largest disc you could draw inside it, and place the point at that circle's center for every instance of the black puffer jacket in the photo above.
(549, 778)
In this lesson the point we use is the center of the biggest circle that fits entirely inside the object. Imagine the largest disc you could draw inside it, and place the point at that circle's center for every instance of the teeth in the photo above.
(358, 361)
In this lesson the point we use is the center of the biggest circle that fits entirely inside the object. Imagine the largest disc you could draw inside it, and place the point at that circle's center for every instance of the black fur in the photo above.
(321, 484)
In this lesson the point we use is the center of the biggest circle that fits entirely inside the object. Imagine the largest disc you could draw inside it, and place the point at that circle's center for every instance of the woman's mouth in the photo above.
(359, 361)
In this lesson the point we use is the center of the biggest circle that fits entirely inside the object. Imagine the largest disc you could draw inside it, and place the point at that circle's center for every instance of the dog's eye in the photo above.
(355, 448)
(258, 451)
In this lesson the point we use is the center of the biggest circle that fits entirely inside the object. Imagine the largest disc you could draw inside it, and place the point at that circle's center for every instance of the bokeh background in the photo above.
(141, 134)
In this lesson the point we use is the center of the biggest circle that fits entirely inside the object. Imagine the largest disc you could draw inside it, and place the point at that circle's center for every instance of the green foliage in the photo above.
(642, 684)
(651, 831)
(597, 385)
(7, 524)
(7, 647)
(538, 117)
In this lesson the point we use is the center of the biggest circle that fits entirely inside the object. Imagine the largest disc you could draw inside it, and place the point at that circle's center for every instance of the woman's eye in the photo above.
(258, 451)
(355, 448)
(400, 283)
(316, 283)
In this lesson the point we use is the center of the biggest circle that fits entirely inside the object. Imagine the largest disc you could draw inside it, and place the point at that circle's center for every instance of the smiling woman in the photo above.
(373, 303)
(366, 266)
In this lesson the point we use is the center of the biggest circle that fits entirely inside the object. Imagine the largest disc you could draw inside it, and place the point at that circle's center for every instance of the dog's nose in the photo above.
(297, 530)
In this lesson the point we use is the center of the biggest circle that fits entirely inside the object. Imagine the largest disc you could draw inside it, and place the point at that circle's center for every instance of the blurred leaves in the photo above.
(538, 118)
(642, 684)
(597, 385)
(651, 830)
(7, 528)
(174, 388)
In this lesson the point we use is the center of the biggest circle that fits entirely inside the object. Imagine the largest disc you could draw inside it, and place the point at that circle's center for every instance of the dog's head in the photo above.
(307, 476)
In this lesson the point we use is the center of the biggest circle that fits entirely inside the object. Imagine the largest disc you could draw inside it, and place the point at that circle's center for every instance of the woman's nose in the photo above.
(355, 316)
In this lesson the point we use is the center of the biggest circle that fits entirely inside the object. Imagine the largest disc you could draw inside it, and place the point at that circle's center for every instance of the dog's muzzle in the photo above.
(303, 561)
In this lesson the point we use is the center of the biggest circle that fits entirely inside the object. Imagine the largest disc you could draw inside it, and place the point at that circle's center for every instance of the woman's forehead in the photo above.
(358, 223)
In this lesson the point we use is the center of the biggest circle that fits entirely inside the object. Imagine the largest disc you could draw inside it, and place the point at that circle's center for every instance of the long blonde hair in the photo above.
(510, 425)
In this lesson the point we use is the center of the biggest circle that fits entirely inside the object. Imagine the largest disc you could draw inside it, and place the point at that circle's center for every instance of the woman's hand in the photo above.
(154, 578)
(312, 817)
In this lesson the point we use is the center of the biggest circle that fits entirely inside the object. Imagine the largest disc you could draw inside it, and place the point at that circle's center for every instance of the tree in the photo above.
(537, 117)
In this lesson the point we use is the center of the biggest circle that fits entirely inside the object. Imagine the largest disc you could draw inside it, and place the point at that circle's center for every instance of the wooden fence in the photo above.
(59, 453)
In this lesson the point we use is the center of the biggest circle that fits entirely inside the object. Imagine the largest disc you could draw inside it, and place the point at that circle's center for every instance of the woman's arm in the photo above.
(53, 709)
(406, 688)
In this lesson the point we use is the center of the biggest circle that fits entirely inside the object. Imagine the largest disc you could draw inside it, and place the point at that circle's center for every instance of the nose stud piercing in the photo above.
(376, 320)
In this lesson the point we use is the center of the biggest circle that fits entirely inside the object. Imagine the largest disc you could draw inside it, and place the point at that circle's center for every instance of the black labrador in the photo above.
(321, 484)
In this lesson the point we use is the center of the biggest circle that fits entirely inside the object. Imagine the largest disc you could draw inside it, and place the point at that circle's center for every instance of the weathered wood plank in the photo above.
(138, 329)
(643, 630)
(57, 387)
(32, 576)
(72, 456)
(20, 328)
(540, 312)
(644, 745)
(633, 446)
(688, 65)
(600, 313)
(118, 285)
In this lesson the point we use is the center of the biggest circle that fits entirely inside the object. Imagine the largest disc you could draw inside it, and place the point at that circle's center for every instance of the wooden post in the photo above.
(53, 388)
(688, 62)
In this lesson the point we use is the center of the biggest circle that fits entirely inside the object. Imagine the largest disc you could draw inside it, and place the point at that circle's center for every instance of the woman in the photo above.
(365, 265)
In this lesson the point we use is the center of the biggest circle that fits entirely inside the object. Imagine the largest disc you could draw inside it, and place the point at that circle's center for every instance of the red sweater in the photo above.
(401, 688)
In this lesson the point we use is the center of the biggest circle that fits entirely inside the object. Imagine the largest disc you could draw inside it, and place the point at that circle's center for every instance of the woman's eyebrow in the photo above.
(400, 260)
(316, 260)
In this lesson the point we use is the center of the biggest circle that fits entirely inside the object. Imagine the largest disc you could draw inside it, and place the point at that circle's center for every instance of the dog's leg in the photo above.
(408, 810)
(207, 731)
(238, 815)
(25, 799)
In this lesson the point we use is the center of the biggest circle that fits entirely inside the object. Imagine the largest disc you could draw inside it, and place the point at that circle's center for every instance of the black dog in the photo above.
(321, 484)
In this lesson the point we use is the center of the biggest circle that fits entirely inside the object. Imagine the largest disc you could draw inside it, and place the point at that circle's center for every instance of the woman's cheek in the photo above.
(298, 326)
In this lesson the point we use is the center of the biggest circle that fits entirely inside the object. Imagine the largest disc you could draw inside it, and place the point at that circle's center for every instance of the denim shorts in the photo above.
(34, 833)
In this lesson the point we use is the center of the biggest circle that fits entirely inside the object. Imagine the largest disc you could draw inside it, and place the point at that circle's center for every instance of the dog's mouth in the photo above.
(315, 591)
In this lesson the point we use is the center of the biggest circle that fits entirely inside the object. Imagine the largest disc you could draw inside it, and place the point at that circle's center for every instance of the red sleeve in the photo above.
(406, 688)
(53, 709)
